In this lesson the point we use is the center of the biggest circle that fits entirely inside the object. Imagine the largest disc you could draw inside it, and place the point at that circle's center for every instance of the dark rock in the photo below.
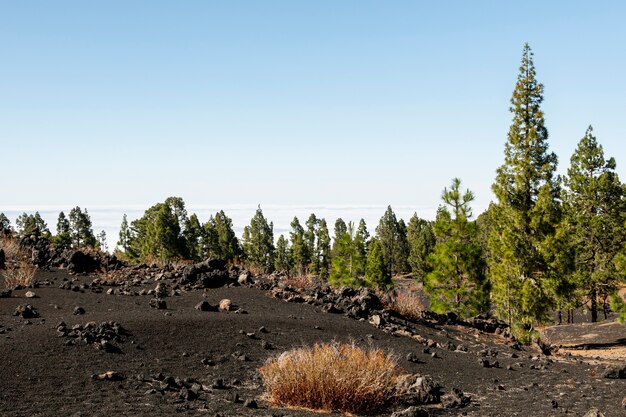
(80, 262)
(415, 389)
(211, 273)
(2, 259)
(218, 384)
(411, 412)
(5, 294)
(205, 306)
(158, 303)
(455, 399)
(79, 311)
(26, 311)
(251, 404)
(615, 372)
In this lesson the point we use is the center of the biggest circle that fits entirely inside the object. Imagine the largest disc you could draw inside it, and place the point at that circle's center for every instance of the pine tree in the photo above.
(281, 260)
(313, 265)
(124, 235)
(227, 243)
(258, 242)
(323, 248)
(457, 282)
(339, 232)
(193, 234)
(101, 239)
(421, 239)
(298, 256)
(62, 238)
(348, 264)
(594, 218)
(527, 210)
(80, 229)
(28, 223)
(5, 225)
(376, 272)
(392, 236)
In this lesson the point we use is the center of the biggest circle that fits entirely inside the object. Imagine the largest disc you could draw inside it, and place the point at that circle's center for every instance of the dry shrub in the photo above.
(408, 304)
(12, 249)
(332, 377)
(23, 275)
(299, 282)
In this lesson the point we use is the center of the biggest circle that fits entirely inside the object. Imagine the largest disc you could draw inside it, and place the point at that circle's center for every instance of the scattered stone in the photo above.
(78, 311)
(225, 304)
(455, 399)
(594, 412)
(205, 306)
(30, 294)
(161, 291)
(158, 303)
(251, 404)
(26, 311)
(262, 329)
(266, 345)
(486, 363)
(615, 372)
(109, 376)
(244, 278)
(376, 320)
(412, 357)
(2, 259)
(207, 362)
(218, 384)
(5, 293)
(411, 412)
(415, 389)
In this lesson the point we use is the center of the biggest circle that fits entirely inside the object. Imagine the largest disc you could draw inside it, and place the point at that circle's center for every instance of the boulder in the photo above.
(615, 372)
(158, 303)
(205, 306)
(415, 389)
(30, 294)
(26, 311)
(225, 304)
(244, 278)
(455, 399)
(211, 273)
(80, 262)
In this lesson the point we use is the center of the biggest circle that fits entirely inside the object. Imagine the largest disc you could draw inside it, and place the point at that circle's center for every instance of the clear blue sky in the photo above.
(292, 102)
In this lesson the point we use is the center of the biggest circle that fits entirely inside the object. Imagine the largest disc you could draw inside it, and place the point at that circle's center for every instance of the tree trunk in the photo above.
(594, 306)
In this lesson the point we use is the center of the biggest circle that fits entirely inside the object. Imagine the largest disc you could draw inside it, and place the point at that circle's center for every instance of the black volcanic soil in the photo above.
(40, 375)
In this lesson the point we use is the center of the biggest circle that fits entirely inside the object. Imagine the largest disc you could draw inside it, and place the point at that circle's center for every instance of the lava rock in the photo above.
(225, 304)
(615, 372)
(415, 389)
(80, 262)
(30, 294)
(455, 399)
(158, 303)
(411, 412)
(205, 306)
(26, 311)
(79, 311)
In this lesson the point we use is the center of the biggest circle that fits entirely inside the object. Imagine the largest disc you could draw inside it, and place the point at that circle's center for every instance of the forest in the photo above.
(547, 245)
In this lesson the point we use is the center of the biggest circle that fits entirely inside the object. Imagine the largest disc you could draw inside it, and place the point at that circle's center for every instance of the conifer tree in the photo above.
(80, 228)
(62, 238)
(258, 242)
(228, 247)
(457, 282)
(281, 260)
(527, 210)
(393, 240)
(101, 239)
(5, 225)
(421, 239)
(593, 203)
(376, 272)
(298, 255)
(323, 248)
(347, 262)
(310, 244)
(124, 235)
(339, 232)
(193, 234)
(27, 223)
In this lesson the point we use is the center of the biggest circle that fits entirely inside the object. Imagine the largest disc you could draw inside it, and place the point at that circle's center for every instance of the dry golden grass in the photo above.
(12, 249)
(22, 275)
(299, 282)
(332, 377)
(408, 304)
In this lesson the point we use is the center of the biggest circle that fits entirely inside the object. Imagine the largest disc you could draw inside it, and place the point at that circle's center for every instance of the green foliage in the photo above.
(5, 225)
(27, 223)
(299, 257)
(457, 282)
(392, 236)
(323, 248)
(124, 235)
(218, 239)
(63, 238)
(311, 256)
(258, 242)
(523, 220)
(593, 220)
(376, 272)
(619, 306)
(281, 258)
(193, 234)
(421, 240)
(348, 264)
(81, 233)
(158, 234)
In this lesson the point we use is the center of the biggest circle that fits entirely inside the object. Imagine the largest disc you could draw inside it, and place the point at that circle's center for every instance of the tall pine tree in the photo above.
(527, 210)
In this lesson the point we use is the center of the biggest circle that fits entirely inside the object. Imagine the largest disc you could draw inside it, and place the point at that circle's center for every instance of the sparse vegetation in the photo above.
(19, 275)
(332, 377)
(408, 304)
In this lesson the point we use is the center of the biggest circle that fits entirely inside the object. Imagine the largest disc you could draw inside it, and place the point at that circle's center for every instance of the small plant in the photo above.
(332, 377)
(12, 249)
(22, 275)
(408, 304)
(298, 282)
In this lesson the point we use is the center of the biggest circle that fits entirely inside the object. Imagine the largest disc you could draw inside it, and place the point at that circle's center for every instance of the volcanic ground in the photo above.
(118, 355)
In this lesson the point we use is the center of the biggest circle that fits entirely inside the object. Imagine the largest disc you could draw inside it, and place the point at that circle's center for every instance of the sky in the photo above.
(357, 104)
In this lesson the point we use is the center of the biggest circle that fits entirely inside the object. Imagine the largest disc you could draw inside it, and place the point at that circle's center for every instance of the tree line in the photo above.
(548, 243)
